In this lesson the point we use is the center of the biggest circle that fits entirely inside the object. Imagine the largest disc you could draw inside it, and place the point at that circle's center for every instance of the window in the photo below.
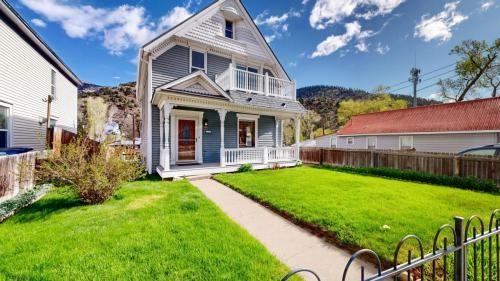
(405, 142)
(229, 31)
(247, 130)
(350, 140)
(333, 142)
(197, 61)
(4, 126)
(52, 123)
(53, 81)
(371, 142)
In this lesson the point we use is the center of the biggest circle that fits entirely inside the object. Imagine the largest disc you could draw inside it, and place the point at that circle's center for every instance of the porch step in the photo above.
(199, 177)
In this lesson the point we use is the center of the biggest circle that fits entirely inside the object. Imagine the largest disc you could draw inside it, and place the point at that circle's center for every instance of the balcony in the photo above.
(234, 79)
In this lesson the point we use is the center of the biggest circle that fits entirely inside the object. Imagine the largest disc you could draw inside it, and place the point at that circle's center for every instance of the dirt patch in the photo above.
(143, 202)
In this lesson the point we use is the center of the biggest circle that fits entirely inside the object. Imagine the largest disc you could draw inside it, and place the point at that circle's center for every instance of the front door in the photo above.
(186, 136)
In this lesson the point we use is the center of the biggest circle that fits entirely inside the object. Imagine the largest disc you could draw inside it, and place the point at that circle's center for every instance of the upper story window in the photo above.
(53, 80)
(197, 61)
(229, 30)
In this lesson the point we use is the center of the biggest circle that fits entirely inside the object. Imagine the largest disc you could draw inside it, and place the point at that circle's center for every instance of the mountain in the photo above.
(324, 100)
(121, 101)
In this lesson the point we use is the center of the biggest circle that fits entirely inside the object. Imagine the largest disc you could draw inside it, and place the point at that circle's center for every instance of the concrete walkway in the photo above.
(294, 246)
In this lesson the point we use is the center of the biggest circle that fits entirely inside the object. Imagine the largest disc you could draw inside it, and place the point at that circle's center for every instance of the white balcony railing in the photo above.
(240, 80)
(260, 155)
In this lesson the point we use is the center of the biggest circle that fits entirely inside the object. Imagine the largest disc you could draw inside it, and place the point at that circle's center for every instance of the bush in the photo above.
(245, 168)
(95, 176)
(459, 182)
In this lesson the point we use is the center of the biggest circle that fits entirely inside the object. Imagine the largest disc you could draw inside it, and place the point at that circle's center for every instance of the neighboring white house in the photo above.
(449, 128)
(326, 141)
(29, 72)
(214, 96)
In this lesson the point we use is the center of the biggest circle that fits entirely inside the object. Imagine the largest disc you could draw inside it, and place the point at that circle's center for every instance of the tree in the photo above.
(308, 123)
(476, 59)
(492, 78)
(376, 103)
(97, 115)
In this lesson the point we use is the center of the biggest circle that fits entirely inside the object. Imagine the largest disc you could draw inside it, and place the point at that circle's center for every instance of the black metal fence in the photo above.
(473, 254)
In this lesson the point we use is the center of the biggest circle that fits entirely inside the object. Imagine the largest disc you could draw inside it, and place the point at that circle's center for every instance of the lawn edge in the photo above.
(318, 231)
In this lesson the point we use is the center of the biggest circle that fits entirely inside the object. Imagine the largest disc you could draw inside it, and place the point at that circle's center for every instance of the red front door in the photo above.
(187, 140)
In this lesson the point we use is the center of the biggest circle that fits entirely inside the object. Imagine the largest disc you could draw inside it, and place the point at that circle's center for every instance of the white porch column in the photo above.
(277, 121)
(165, 146)
(297, 137)
(222, 117)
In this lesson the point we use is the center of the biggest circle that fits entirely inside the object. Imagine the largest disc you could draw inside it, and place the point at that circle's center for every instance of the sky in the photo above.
(351, 43)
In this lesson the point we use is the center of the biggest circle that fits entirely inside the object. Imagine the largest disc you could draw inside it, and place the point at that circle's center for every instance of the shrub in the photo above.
(471, 183)
(21, 200)
(96, 176)
(245, 168)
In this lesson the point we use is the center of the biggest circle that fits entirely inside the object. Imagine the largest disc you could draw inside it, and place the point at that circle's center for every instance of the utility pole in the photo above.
(415, 72)
(49, 101)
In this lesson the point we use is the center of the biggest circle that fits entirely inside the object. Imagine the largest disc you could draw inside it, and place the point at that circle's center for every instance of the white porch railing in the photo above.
(240, 80)
(261, 155)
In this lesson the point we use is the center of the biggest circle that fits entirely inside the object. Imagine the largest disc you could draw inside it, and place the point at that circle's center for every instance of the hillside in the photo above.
(122, 104)
(325, 99)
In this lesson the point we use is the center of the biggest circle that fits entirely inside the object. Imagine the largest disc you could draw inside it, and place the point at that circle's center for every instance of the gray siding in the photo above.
(359, 142)
(267, 131)
(211, 137)
(388, 142)
(231, 130)
(170, 65)
(155, 136)
(216, 65)
(451, 143)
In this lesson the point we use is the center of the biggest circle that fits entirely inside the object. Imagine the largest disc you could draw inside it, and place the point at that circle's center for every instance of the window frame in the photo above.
(368, 142)
(204, 69)
(232, 29)
(334, 142)
(351, 140)
(53, 83)
(9, 122)
(248, 118)
(412, 146)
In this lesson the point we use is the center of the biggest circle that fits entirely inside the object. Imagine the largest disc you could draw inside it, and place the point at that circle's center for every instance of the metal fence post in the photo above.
(460, 255)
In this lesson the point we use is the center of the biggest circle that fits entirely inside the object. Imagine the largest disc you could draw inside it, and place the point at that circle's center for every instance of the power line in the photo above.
(427, 73)
(434, 84)
(438, 69)
(438, 75)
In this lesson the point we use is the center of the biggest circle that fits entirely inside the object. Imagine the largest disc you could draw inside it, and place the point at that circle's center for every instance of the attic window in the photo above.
(229, 30)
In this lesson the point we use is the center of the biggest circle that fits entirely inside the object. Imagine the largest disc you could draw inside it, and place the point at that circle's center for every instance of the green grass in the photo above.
(150, 230)
(355, 207)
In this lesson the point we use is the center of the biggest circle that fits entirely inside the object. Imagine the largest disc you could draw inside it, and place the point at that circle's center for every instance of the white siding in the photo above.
(388, 142)
(359, 142)
(25, 79)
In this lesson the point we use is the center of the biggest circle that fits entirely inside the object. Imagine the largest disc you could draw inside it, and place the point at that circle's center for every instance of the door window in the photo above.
(187, 140)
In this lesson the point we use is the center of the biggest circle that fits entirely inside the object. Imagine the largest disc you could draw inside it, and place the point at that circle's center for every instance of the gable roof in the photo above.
(22, 28)
(184, 84)
(476, 115)
(148, 47)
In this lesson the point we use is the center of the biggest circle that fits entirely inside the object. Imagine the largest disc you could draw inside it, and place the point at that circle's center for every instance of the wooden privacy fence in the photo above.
(17, 173)
(487, 168)
(60, 137)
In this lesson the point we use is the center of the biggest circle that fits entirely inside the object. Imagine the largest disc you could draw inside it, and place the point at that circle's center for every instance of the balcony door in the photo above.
(248, 78)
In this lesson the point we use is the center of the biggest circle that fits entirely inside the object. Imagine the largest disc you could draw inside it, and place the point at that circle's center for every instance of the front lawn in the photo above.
(150, 230)
(363, 211)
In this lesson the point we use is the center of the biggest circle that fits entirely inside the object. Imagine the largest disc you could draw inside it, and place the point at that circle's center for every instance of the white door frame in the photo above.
(197, 117)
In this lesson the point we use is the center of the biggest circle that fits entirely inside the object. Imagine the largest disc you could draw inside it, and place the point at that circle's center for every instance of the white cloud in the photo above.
(38, 22)
(335, 42)
(292, 64)
(362, 46)
(276, 23)
(117, 77)
(487, 4)
(119, 28)
(382, 49)
(328, 12)
(440, 26)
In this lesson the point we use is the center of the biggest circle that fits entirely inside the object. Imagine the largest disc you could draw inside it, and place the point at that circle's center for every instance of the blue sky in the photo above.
(351, 43)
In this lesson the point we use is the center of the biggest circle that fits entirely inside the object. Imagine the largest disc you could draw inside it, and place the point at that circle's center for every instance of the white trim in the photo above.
(411, 137)
(197, 116)
(199, 74)
(423, 133)
(376, 141)
(247, 117)
(9, 121)
(149, 160)
(334, 144)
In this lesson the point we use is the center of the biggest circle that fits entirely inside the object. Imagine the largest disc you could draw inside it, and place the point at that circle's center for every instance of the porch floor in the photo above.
(180, 171)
